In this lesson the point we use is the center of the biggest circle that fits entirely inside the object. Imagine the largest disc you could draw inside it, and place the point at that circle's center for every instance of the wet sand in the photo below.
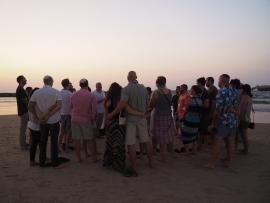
(182, 179)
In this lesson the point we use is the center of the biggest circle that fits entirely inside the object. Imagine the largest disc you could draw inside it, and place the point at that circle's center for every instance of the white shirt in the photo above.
(100, 96)
(65, 109)
(45, 98)
(33, 126)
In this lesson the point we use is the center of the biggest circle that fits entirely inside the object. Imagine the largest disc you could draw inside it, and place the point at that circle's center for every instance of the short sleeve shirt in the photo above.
(45, 98)
(227, 98)
(136, 96)
(20, 97)
(65, 109)
(100, 96)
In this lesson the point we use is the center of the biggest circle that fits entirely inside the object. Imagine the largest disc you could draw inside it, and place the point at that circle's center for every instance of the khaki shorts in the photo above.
(137, 130)
(82, 130)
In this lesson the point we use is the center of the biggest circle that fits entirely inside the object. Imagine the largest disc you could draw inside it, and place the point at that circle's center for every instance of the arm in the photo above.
(134, 112)
(52, 110)
(32, 109)
(152, 101)
(121, 105)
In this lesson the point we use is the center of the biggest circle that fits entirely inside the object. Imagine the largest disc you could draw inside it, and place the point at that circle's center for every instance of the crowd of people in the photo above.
(132, 118)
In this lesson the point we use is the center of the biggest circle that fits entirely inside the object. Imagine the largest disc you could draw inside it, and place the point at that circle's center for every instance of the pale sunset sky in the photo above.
(102, 40)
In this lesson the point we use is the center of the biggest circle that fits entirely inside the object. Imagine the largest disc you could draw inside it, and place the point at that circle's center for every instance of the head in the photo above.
(149, 90)
(32, 92)
(84, 83)
(28, 90)
(183, 88)
(48, 80)
(132, 76)
(99, 86)
(114, 90)
(66, 83)
(21, 80)
(195, 90)
(224, 80)
(177, 90)
(210, 81)
(201, 81)
(235, 83)
(246, 89)
(161, 82)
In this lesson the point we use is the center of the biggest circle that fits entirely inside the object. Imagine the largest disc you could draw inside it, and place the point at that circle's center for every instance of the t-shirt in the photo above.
(83, 106)
(45, 98)
(20, 97)
(100, 96)
(136, 96)
(65, 109)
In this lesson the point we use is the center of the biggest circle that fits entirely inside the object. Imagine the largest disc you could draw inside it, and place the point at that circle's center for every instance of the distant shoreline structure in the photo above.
(260, 88)
(7, 94)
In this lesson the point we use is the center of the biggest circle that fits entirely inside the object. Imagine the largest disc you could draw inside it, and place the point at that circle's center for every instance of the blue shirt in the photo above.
(227, 98)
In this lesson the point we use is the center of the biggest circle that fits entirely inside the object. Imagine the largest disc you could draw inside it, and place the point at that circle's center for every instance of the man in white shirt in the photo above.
(100, 97)
(49, 102)
(65, 114)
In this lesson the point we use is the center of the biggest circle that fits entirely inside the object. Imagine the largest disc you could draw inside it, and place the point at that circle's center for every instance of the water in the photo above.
(261, 104)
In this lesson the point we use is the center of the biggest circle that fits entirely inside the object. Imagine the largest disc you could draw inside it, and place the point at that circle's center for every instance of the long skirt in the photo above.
(114, 155)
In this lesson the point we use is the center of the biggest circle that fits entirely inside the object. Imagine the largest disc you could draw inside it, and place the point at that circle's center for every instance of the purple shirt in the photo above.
(83, 106)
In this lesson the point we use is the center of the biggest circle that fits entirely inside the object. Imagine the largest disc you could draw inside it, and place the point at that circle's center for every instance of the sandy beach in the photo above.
(182, 179)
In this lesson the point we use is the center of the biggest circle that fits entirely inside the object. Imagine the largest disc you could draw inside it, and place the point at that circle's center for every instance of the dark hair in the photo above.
(201, 81)
(65, 82)
(235, 83)
(161, 81)
(84, 84)
(210, 79)
(89, 89)
(226, 76)
(32, 92)
(149, 90)
(197, 89)
(19, 78)
(28, 89)
(184, 87)
(247, 89)
(114, 91)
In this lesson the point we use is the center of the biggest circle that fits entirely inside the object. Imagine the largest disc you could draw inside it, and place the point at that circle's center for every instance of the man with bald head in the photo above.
(225, 121)
(135, 96)
(49, 101)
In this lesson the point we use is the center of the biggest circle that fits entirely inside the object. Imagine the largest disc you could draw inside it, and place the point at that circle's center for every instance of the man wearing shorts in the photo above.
(225, 121)
(83, 111)
(135, 96)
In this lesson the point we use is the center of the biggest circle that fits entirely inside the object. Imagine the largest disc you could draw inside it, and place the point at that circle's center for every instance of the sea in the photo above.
(261, 105)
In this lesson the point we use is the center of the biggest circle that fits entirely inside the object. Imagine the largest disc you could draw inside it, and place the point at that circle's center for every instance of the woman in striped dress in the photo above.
(192, 119)
(114, 155)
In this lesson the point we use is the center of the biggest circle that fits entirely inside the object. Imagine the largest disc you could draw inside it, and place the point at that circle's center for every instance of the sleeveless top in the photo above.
(163, 103)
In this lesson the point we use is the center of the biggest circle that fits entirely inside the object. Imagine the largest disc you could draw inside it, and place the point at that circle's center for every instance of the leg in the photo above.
(77, 143)
(54, 132)
(132, 156)
(245, 140)
(23, 128)
(44, 130)
(229, 149)
(85, 142)
(215, 152)
(33, 145)
(61, 136)
(149, 150)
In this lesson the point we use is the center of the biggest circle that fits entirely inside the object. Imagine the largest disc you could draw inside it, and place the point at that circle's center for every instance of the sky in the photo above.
(103, 40)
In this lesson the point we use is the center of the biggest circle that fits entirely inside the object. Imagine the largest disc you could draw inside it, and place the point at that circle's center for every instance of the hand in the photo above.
(109, 117)
(44, 119)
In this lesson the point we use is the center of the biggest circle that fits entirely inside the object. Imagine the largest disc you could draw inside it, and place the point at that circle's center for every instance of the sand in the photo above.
(182, 179)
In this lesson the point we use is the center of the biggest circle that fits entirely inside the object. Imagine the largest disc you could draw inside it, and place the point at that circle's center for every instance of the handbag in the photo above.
(251, 125)
(122, 119)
